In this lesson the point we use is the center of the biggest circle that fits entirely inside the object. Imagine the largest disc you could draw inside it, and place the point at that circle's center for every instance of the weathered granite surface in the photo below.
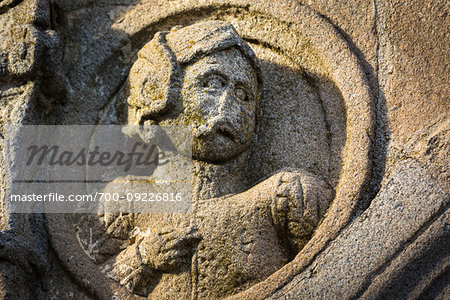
(352, 100)
(410, 206)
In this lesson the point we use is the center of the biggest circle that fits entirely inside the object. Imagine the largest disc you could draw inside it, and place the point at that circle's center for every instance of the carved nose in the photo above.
(226, 102)
(224, 125)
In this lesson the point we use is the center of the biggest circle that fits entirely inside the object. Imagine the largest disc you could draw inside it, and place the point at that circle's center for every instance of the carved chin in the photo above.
(218, 149)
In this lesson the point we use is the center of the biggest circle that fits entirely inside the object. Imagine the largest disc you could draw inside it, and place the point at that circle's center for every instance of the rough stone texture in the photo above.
(357, 22)
(354, 93)
(206, 76)
(31, 83)
(410, 206)
(413, 64)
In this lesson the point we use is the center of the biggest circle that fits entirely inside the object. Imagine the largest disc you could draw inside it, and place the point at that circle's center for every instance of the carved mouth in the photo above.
(225, 133)
(220, 128)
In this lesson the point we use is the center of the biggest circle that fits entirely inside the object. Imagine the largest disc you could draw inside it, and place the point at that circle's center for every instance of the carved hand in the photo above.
(298, 202)
(131, 272)
(165, 250)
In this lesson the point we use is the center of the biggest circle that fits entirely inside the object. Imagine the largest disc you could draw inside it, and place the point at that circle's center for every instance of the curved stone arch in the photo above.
(339, 64)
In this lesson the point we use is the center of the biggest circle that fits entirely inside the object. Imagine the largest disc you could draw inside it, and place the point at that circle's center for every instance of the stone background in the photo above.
(395, 247)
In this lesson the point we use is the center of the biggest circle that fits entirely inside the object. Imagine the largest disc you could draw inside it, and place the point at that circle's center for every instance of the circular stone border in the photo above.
(345, 72)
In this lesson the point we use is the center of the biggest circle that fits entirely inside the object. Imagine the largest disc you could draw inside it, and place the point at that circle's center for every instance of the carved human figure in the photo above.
(205, 75)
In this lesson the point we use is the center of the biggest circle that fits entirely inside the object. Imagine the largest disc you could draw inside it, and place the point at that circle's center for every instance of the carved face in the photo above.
(220, 100)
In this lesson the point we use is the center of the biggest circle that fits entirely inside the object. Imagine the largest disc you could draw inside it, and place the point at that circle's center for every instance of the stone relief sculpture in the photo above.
(206, 76)
(268, 134)
(314, 178)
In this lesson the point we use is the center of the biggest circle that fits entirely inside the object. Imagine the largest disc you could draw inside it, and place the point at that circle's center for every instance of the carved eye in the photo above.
(241, 94)
(214, 82)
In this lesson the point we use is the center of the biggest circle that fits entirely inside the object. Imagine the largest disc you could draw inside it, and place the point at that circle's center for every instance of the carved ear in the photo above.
(154, 79)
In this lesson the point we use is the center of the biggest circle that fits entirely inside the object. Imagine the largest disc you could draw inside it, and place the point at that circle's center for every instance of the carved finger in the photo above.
(165, 230)
(167, 261)
(183, 240)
